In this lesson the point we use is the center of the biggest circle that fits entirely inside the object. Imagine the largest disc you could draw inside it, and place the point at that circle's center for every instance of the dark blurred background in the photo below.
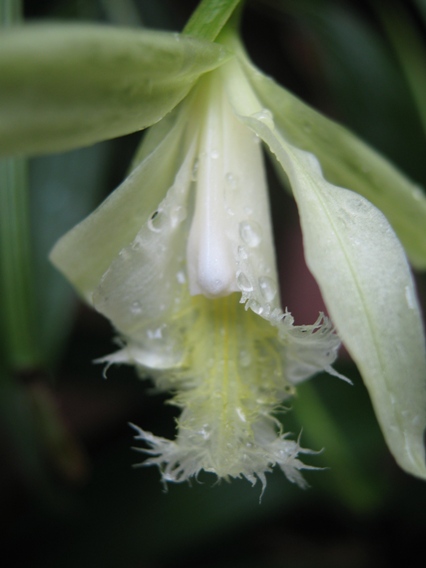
(69, 495)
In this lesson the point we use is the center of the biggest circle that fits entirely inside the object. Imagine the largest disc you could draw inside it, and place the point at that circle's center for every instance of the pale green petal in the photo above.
(366, 283)
(63, 86)
(84, 253)
(144, 284)
(347, 161)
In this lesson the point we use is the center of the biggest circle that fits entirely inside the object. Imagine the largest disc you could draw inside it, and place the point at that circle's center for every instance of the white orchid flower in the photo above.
(181, 259)
(192, 288)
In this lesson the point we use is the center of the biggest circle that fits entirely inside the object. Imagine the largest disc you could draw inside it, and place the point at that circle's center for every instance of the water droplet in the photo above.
(266, 117)
(137, 242)
(155, 333)
(276, 315)
(214, 154)
(205, 432)
(181, 277)
(241, 414)
(136, 308)
(256, 139)
(124, 254)
(251, 233)
(177, 215)
(194, 173)
(255, 307)
(409, 296)
(266, 311)
(268, 288)
(243, 282)
(157, 221)
(242, 253)
(231, 180)
(244, 358)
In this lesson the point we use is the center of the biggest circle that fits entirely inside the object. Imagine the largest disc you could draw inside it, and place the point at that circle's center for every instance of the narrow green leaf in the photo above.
(209, 18)
(67, 86)
(17, 324)
(409, 49)
(10, 12)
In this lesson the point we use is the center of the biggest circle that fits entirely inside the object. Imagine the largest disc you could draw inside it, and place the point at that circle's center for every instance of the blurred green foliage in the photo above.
(69, 495)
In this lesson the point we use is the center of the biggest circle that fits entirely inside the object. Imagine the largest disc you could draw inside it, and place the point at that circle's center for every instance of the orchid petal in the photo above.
(346, 160)
(143, 286)
(84, 253)
(56, 91)
(366, 283)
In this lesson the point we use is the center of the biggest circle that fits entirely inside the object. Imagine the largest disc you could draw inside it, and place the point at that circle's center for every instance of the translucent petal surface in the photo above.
(144, 284)
(67, 86)
(84, 253)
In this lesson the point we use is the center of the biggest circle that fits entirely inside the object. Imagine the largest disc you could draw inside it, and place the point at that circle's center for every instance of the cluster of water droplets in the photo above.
(258, 292)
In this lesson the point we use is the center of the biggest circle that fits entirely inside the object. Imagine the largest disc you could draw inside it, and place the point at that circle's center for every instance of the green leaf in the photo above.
(410, 51)
(17, 299)
(67, 86)
(348, 161)
(209, 18)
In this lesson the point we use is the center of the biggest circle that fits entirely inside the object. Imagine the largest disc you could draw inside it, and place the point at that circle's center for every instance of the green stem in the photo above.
(17, 296)
(209, 18)
(10, 12)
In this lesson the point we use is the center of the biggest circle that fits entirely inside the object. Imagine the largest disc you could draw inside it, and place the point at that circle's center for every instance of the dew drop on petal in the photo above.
(244, 358)
(268, 288)
(214, 154)
(194, 173)
(242, 253)
(255, 307)
(231, 180)
(157, 221)
(409, 296)
(124, 254)
(154, 333)
(136, 308)
(137, 242)
(266, 117)
(243, 282)
(180, 277)
(241, 414)
(250, 233)
(256, 139)
(205, 432)
(276, 315)
(177, 215)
